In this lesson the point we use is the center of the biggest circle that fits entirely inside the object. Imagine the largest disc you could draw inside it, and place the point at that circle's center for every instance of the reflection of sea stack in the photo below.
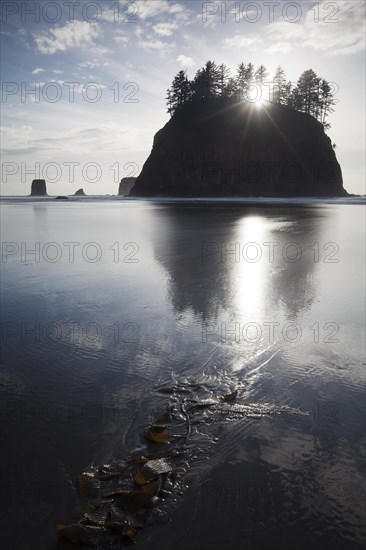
(38, 188)
(206, 278)
(80, 193)
(126, 185)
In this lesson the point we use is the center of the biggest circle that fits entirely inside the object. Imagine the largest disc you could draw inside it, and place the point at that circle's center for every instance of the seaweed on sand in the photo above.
(121, 498)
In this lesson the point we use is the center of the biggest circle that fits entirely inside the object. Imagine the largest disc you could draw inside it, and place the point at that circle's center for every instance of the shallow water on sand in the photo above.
(120, 297)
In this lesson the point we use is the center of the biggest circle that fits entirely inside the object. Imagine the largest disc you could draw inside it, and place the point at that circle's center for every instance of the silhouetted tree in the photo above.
(261, 75)
(240, 80)
(206, 83)
(279, 86)
(313, 95)
(249, 74)
(307, 91)
(230, 87)
(295, 100)
(287, 93)
(260, 78)
(327, 102)
(179, 92)
(224, 78)
(244, 78)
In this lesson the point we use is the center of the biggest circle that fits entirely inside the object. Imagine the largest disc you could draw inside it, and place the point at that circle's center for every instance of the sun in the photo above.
(259, 103)
(255, 96)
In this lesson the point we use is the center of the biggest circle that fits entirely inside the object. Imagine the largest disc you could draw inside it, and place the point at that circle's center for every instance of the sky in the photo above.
(84, 83)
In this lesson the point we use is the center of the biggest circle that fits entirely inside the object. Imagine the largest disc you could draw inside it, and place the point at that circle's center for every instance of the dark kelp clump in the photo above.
(123, 497)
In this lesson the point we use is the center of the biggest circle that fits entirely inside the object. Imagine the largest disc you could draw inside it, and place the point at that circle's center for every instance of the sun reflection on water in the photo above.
(250, 273)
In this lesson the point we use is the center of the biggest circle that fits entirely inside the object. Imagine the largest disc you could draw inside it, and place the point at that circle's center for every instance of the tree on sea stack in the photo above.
(279, 86)
(207, 82)
(261, 75)
(230, 87)
(312, 94)
(249, 74)
(244, 78)
(307, 88)
(327, 102)
(179, 92)
(224, 79)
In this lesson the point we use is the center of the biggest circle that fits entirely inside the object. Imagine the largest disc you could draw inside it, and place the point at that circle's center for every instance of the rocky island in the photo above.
(226, 145)
(79, 193)
(126, 185)
(38, 188)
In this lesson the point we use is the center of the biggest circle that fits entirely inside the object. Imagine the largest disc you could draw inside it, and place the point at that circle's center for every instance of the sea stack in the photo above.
(79, 193)
(38, 188)
(126, 185)
(229, 148)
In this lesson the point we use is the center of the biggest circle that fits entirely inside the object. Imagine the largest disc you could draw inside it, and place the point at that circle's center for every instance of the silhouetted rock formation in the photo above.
(62, 197)
(38, 188)
(236, 149)
(126, 185)
(80, 193)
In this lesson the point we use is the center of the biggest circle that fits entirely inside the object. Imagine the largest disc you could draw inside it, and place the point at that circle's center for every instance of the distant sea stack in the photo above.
(80, 193)
(126, 185)
(38, 188)
(234, 148)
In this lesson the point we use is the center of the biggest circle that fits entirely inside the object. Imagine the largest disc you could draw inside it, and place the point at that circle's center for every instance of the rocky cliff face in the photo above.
(237, 149)
(79, 193)
(126, 185)
(38, 188)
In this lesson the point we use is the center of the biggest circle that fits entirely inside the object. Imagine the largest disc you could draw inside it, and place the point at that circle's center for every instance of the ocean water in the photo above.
(103, 301)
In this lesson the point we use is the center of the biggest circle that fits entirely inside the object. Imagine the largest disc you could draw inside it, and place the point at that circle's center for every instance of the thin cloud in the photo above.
(76, 34)
(152, 8)
(279, 47)
(185, 61)
(344, 34)
(83, 140)
(164, 29)
(89, 64)
(240, 41)
(38, 70)
(121, 38)
(155, 45)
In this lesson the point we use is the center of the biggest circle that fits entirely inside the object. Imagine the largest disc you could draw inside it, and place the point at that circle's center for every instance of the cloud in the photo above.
(76, 34)
(89, 64)
(22, 152)
(239, 41)
(38, 70)
(155, 45)
(15, 138)
(92, 64)
(185, 61)
(153, 8)
(121, 38)
(24, 139)
(21, 37)
(279, 47)
(164, 29)
(340, 32)
(57, 71)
